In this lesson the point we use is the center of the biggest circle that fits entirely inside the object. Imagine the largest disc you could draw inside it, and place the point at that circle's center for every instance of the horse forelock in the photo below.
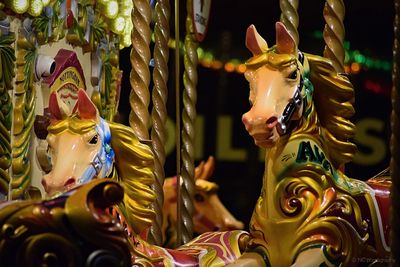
(272, 58)
(72, 124)
(206, 186)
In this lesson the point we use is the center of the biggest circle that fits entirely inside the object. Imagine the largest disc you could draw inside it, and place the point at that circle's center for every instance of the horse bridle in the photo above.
(103, 157)
(294, 103)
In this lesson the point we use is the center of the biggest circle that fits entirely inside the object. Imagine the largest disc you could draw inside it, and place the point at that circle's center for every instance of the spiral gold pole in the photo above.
(334, 32)
(159, 112)
(188, 118)
(395, 140)
(139, 118)
(290, 17)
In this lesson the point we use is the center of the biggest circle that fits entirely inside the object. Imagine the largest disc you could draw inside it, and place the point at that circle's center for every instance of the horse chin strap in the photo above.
(294, 104)
(101, 163)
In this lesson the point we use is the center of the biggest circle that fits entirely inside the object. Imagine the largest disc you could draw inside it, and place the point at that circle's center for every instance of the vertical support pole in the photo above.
(188, 134)
(139, 117)
(290, 17)
(178, 124)
(395, 140)
(334, 32)
(159, 111)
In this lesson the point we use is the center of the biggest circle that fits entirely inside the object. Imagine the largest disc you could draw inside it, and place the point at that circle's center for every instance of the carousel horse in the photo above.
(309, 212)
(210, 214)
(83, 146)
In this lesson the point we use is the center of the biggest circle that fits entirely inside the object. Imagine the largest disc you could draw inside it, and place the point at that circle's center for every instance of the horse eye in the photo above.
(94, 139)
(293, 75)
(199, 198)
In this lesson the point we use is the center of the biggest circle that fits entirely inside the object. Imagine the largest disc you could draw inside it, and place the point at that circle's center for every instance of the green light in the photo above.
(359, 58)
(317, 34)
(200, 52)
(346, 45)
(369, 62)
(208, 56)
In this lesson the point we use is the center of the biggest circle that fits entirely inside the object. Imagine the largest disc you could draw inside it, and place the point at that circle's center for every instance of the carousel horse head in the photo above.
(276, 77)
(79, 145)
(82, 146)
(282, 96)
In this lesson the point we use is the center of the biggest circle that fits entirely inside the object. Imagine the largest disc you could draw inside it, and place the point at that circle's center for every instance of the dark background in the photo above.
(369, 30)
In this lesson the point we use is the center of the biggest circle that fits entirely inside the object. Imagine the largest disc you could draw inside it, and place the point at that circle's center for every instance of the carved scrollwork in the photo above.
(72, 230)
(324, 215)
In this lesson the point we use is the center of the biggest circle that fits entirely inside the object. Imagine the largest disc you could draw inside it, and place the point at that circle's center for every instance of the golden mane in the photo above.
(333, 99)
(133, 168)
(134, 163)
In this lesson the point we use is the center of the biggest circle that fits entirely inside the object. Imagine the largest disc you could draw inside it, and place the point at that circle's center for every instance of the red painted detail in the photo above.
(382, 195)
(54, 107)
(86, 108)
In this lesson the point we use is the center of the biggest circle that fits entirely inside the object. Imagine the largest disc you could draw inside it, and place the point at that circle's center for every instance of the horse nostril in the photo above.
(245, 119)
(271, 122)
(70, 182)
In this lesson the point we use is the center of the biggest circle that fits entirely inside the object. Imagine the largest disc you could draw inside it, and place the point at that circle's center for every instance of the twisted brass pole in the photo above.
(159, 112)
(139, 117)
(290, 17)
(395, 140)
(334, 32)
(188, 117)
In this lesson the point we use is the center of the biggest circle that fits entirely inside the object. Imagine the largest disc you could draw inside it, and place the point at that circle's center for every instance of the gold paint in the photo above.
(159, 111)
(7, 73)
(334, 32)
(302, 203)
(290, 17)
(23, 119)
(69, 75)
(139, 98)
(134, 170)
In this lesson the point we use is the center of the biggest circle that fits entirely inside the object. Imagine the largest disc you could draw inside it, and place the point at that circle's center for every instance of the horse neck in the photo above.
(307, 128)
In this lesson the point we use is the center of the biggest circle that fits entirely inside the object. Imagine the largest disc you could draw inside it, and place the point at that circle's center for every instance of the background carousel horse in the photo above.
(309, 213)
(81, 148)
(210, 214)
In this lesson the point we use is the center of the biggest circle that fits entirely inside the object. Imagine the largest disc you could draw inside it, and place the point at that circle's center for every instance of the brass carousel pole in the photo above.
(394, 140)
(159, 112)
(139, 117)
(188, 117)
(290, 17)
(334, 32)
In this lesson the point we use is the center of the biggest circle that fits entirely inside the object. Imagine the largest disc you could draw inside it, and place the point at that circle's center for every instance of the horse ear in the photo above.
(254, 42)
(284, 41)
(58, 109)
(198, 171)
(86, 108)
(209, 167)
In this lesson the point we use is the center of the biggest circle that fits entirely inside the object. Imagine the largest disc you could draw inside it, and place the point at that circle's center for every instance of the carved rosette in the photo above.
(70, 230)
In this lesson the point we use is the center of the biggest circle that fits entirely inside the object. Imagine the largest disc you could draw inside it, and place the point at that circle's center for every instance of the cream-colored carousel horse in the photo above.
(309, 213)
(83, 146)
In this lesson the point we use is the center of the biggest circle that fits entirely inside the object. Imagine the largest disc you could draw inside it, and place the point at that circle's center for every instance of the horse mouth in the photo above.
(266, 139)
